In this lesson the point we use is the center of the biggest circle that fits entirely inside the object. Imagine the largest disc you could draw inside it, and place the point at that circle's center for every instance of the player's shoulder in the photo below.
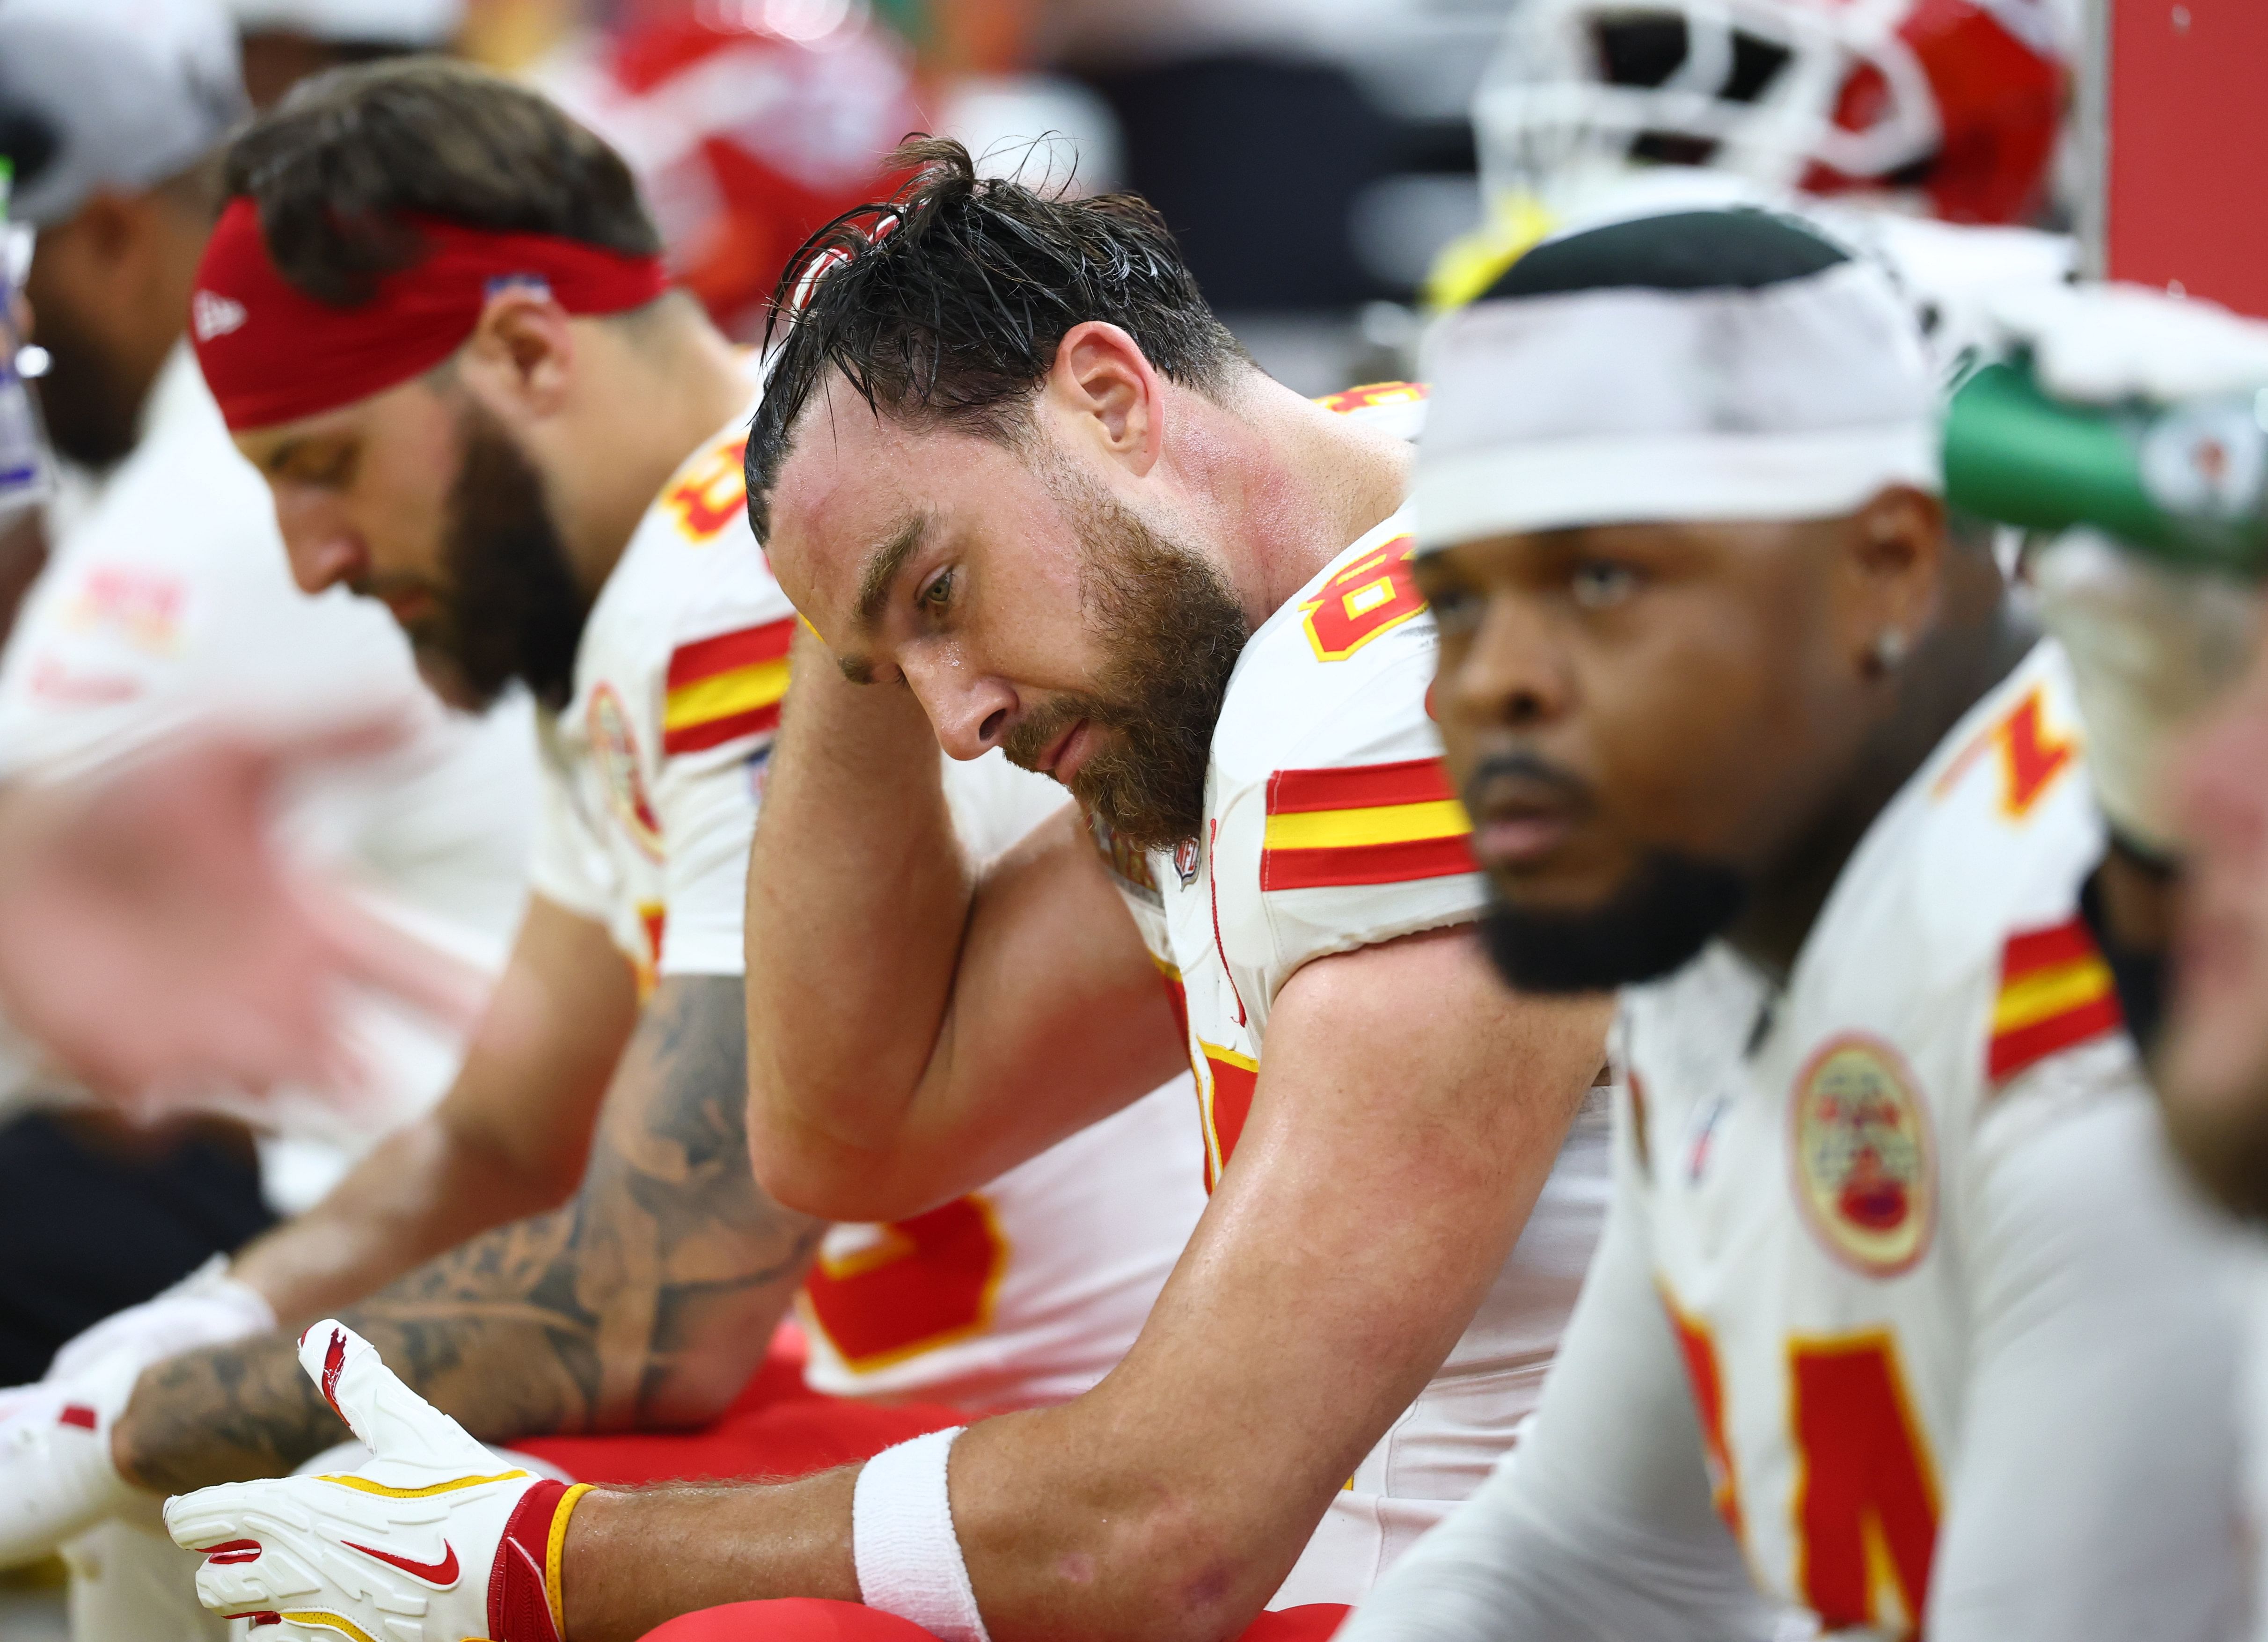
(1326, 783)
(703, 505)
(2005, 817)
(1338, 676)
(2000, 839)
(694, 600)
(1394, 408)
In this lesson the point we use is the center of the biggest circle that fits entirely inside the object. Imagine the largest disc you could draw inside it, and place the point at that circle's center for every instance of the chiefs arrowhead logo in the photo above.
(212, 314)
(441, 1575)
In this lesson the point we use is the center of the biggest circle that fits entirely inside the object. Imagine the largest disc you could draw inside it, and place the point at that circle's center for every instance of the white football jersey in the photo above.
(1330, 824)
(1816, 1162)
(1902, 1320)
(1026, 1292)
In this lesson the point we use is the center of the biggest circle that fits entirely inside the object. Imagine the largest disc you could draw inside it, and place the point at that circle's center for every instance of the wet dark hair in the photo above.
(947, 303)
(339, 163)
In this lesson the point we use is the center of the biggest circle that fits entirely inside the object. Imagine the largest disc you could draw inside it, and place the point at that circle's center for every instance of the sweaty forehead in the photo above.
(854, 480)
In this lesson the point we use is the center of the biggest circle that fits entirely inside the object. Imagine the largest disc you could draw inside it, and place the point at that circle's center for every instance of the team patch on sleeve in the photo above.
(2055, 991)
(1368, 824)
(722, 688)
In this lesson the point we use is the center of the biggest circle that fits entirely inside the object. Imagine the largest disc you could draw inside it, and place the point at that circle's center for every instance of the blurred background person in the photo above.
(2123, 430)
(747, 126)
(167, 602)
(283, 41)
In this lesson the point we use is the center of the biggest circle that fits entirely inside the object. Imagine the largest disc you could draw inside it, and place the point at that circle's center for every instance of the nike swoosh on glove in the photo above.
(435, 1539)
(56, 1476)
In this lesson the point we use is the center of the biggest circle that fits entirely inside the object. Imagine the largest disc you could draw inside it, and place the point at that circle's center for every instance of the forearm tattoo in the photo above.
(587, 1318)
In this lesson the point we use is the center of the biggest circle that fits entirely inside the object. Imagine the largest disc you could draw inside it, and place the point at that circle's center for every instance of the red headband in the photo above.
(271, 353)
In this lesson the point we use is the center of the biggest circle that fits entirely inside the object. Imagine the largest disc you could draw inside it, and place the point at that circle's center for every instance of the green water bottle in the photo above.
(2187, 482)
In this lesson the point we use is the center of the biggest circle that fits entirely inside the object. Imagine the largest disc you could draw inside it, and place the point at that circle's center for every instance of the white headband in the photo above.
(1799, 400)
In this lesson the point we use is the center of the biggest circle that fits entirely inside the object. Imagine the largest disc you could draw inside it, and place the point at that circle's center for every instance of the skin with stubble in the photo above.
(1666, 733)
(2212, 1067)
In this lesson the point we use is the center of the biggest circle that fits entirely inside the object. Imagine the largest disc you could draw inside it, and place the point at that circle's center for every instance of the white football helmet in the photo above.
(1952, 105)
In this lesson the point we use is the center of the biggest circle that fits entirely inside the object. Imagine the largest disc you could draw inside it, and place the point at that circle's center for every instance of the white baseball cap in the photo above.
(116, 94)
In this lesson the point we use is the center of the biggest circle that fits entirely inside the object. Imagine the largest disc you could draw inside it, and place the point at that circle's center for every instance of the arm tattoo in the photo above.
(666, 1275)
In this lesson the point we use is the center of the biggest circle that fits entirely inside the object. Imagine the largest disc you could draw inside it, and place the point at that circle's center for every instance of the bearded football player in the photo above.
(1900, 1320)
(433, 316)
(1030, 496)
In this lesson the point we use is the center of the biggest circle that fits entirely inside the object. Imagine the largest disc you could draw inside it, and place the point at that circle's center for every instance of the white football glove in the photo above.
(435, 1539)
(2099, 343)
(56, 1476)
(2150, 647)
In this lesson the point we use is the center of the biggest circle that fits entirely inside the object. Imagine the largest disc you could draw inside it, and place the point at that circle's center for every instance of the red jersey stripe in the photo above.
(1367, 864)
(705, 658)
(2013, 1051)
(2035, 950)
(1362, 786)
(696, 738)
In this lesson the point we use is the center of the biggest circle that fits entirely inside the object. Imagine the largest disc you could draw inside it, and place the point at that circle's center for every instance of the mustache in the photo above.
(1524, 769)
(1037, 730)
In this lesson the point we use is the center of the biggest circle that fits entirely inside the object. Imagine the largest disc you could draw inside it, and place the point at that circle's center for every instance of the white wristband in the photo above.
(902, 1540)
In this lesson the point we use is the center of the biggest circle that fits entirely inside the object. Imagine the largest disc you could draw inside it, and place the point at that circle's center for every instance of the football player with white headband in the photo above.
(1902, 1321)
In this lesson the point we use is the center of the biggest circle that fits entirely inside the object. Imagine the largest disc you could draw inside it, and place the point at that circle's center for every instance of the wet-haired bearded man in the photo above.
(1028, 494)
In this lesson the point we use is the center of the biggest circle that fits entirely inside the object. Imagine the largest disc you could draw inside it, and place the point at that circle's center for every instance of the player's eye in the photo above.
(1456, 610)
(936, 594)
(1601, 584)
(329, 466)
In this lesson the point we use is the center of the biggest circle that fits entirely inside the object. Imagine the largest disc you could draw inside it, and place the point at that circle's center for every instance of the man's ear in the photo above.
(1897, 547)
(520, 358)
(1109, 394)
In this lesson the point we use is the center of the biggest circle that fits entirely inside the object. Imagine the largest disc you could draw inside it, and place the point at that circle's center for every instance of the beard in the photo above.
(94, 415)
(2226, 1149)
(1660, 920)
(1172, 630)
(510, 610)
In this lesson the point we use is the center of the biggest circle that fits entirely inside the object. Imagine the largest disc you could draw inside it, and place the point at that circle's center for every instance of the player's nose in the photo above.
(971, 711)
(323, 547)
(1511, 674)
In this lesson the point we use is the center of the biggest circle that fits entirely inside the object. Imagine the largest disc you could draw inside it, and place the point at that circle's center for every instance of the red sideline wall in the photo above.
(2187, 199)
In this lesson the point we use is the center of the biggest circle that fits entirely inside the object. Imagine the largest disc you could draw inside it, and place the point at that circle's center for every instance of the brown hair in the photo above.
(947, 301)
(336, 168)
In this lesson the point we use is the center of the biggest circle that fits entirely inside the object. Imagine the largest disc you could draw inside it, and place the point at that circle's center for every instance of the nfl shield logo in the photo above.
(1185, 861)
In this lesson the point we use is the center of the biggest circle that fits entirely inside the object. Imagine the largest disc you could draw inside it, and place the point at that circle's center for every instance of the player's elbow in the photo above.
(814, 1173)
(700, 1385)
(1168, 1570)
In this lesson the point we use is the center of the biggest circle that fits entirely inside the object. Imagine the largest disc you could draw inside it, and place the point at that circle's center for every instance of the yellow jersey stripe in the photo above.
(727, 692)
(1384, 824)
(2050, 992)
